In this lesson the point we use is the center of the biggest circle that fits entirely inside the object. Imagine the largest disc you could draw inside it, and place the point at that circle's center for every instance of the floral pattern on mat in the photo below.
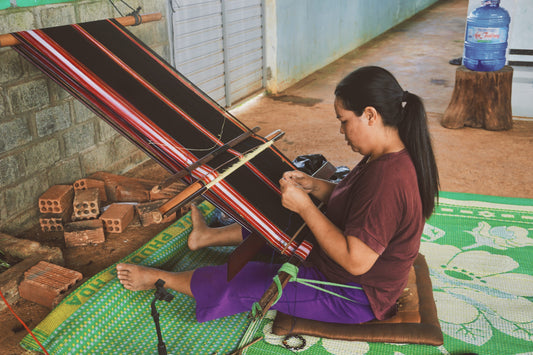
(479, 251)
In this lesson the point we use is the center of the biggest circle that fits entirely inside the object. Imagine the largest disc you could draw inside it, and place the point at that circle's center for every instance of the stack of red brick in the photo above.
(101, 203)
(85, 212)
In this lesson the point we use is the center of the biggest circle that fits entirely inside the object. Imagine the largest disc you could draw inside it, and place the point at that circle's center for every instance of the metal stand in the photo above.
(164, 295)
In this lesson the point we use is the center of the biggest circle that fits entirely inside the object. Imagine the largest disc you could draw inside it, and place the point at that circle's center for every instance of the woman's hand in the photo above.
(294, 191)
(301, 179)
(321, 189)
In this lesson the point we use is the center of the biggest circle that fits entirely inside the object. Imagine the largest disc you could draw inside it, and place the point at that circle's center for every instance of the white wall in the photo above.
(305, 35)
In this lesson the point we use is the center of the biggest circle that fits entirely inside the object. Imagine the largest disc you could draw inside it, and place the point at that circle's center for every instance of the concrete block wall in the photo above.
(46, 136)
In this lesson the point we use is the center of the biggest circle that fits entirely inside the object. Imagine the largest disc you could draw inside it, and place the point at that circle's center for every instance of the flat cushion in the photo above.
(415, 323)
(408, 304)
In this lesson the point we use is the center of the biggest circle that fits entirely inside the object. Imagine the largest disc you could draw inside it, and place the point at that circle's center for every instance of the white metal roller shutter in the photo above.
(218, 45)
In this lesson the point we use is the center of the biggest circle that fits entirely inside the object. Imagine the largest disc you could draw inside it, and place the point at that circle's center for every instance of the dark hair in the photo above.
(378, 88)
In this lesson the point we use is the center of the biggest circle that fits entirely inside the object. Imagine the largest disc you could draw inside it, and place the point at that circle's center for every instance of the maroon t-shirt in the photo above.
(379, 203)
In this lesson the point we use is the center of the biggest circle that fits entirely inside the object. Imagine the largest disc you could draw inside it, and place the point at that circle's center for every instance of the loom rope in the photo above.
(292, 270)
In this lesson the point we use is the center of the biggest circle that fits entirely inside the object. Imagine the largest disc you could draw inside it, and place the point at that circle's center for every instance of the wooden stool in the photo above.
(481, 100)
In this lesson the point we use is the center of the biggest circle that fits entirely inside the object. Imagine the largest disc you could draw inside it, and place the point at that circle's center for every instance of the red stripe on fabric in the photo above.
(181, 79)
(147, 85)
(304, 249)
(78, 89)
(169, 103)
(266, 180)
(95, 85)
(260, 222)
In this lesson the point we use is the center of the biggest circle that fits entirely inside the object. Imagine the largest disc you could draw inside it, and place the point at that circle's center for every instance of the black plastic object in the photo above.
(310, 163)
(160, 295)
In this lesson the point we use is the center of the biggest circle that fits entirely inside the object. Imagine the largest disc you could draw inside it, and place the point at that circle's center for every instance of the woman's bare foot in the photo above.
(204, 236)
(201, 233)
(137, 277)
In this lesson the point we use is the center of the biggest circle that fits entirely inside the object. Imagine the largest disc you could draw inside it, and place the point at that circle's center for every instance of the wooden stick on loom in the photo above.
(271, 294)
(8, 39)
(199, 187)
(186, 171)
(298, 232)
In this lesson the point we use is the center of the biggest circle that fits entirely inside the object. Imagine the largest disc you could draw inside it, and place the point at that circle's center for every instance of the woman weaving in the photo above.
(368, 237)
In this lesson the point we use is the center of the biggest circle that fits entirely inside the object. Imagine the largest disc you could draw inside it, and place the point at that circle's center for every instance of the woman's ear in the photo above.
(371, 115)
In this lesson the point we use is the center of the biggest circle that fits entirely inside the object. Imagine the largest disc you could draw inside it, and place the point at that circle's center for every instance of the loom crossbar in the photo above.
(8, 40)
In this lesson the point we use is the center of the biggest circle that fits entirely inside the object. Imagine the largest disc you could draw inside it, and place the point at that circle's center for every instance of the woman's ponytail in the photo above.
(414, 133)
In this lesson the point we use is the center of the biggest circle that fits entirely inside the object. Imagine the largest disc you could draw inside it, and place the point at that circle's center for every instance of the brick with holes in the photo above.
(51, 223)
(54, 222)
(84, 184)
(56, 199)
(46, 283)
(86, 204)
(117, 216)
(81, 233)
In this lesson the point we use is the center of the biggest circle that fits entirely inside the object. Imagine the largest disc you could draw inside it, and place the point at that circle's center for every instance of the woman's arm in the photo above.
(347, 251)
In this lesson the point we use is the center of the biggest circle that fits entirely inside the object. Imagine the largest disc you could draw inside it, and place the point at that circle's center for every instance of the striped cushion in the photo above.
(416, 321)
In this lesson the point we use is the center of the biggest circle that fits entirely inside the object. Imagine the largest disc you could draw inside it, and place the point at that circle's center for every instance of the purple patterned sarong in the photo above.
(216, 298)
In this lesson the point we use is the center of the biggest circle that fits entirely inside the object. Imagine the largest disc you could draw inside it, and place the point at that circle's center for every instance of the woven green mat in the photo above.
(101, 317)
(479, 250)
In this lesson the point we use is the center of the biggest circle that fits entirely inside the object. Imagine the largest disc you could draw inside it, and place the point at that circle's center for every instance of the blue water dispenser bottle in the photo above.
(487, 29)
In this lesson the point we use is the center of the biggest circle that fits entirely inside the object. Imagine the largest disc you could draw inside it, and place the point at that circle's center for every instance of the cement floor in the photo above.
(417, 53)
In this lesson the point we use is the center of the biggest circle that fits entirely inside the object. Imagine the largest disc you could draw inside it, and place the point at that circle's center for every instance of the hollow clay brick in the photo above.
(125, 189)
(45, 283)
(117, 217)
(50, 223)
(82, 233)
(84, 184)
(30, 252)
(86, 204)
(56, 199)
(149, 213)
(54, 222)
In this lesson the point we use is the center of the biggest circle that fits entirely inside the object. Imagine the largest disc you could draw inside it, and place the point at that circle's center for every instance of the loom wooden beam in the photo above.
(271, 294)
(245, 252)
(7, 40)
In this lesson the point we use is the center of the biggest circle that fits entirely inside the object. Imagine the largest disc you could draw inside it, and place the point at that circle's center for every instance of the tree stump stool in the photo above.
(481, 100)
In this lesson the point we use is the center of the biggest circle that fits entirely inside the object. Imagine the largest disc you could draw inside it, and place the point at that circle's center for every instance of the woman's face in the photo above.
(354, 128)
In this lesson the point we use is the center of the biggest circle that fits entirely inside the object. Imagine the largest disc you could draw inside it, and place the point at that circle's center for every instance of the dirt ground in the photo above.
(88, 260)
(469, 160)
